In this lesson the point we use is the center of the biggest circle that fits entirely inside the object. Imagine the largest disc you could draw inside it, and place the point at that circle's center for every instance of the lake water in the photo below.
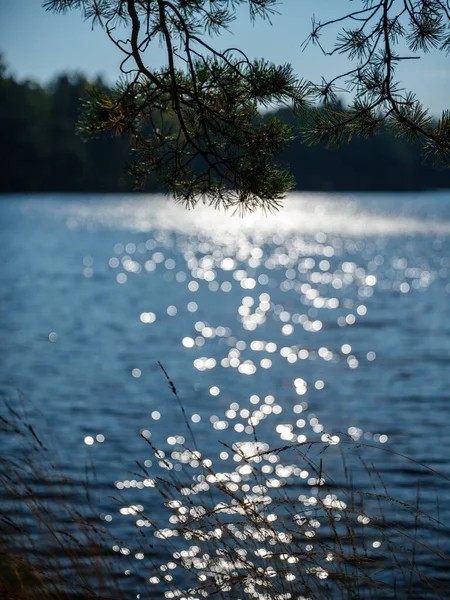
(329, 320)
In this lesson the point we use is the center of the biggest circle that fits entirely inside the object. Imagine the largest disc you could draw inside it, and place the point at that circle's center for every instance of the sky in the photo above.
(38, 45)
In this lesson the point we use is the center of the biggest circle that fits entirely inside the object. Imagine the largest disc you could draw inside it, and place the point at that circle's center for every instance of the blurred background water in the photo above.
(332, 315)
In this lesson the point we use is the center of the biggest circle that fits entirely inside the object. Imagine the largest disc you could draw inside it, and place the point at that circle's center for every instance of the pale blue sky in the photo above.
(37, 45)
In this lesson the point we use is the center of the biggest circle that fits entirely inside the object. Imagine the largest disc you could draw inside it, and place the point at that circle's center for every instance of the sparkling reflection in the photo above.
(268, 320)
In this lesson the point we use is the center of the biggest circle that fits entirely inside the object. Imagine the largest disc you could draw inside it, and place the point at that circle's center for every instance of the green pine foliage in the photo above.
(196, 122)
(373, 37)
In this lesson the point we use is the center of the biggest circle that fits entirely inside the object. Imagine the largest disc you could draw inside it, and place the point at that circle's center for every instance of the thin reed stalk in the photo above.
(284, 522)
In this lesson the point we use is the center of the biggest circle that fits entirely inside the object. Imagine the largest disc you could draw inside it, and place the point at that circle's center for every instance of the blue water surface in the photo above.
(335, 311)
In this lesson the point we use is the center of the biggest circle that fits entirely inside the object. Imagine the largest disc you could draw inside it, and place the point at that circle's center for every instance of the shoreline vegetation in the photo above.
(343, 539)
(38, 126)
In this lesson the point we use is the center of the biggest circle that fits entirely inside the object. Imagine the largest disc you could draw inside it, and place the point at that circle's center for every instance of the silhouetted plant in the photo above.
(242, 532)
(194, 121)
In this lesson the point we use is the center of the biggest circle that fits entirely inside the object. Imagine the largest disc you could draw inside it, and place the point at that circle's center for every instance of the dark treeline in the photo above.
(42, 151)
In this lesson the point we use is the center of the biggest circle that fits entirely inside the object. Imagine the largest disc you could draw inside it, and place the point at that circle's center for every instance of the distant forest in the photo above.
(43, 153)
